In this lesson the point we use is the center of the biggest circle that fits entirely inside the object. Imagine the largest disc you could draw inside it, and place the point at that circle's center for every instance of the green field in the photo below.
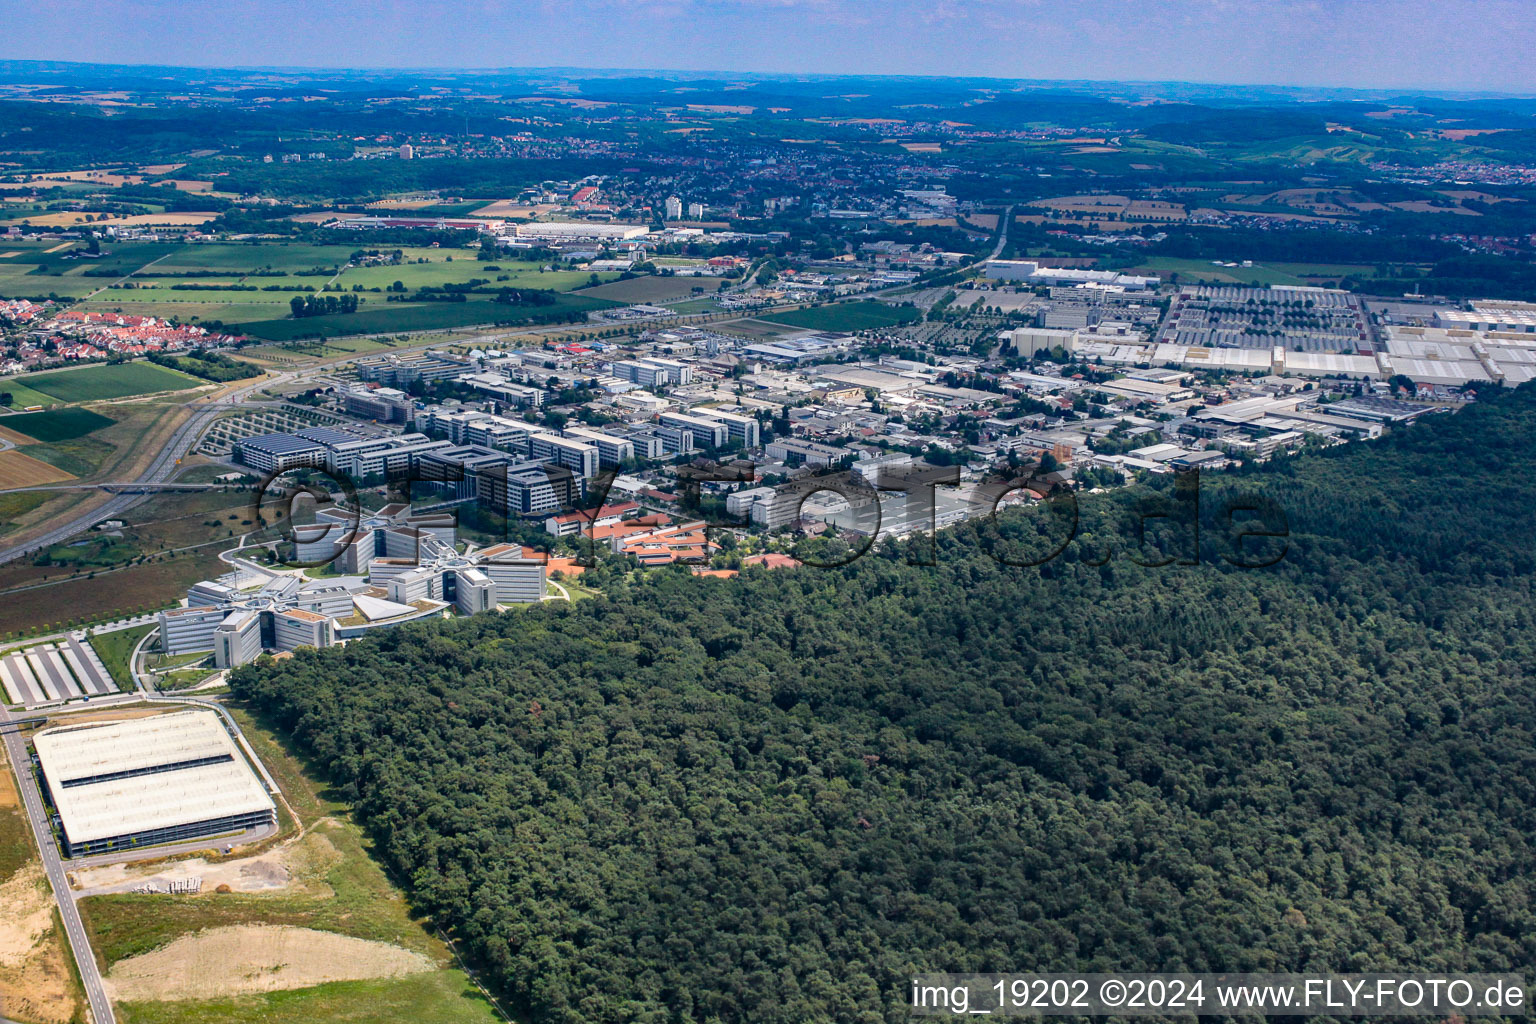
(414, 316)
(847, 316)
(654, 289)
(462, 269)
(115, 648)
(57, 424)
(77, 456)
(113, 380)
(17, 504)
(21, 395)
(443, 997)
(1196, 271)
(256, 256)
(257, 267)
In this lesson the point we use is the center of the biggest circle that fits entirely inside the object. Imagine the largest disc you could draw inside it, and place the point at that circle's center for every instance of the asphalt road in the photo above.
(74, 929)
(159, 471)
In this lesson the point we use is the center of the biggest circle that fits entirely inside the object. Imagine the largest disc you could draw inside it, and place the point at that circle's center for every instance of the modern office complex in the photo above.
(401, 566)
(162, 779)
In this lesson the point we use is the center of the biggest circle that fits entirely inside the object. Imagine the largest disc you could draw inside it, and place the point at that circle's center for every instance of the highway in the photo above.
(74, 928)
(159, 471)
(107, 485)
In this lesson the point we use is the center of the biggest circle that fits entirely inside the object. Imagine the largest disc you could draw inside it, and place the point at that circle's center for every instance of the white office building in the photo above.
(296, 627)
(237, 640)
(707, 433)
(184, 630)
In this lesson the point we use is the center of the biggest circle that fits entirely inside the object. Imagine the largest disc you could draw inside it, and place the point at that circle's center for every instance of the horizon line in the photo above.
(771, 75)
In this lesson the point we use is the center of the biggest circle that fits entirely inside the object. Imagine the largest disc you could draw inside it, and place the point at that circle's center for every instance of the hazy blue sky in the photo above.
(1441, 44)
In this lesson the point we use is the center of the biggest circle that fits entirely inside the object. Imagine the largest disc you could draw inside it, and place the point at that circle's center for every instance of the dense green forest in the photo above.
(770, 799)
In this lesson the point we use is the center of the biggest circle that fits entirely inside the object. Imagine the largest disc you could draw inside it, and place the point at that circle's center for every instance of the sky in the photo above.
(1475, 45)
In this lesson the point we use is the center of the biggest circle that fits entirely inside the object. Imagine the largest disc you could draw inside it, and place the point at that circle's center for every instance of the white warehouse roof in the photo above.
(123, 778)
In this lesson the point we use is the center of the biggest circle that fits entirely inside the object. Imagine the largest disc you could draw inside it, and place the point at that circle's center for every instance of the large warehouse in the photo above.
(163, 779)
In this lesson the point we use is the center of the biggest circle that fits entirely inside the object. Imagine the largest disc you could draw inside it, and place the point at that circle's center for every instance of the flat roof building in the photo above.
(163, 779)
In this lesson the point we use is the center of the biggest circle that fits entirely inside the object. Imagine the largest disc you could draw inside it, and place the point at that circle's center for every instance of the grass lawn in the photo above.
(416, 316)
(97, 552)
(102, 381)
(442, 997)
(58, 424)
(17, 504)
(847, 316)
(115, 648)
(77, 456)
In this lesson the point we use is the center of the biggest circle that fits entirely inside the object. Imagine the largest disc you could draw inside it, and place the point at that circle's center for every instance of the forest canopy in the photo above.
(773, 798)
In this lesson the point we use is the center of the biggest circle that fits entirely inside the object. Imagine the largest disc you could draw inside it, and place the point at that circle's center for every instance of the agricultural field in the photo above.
(653, 289)
(18, 469)
(251, 256)
(98, 595)
(1191, 271)
(20, 503)
(755, 329)
(250, 954)
(169, 543)
(23, 397)
(84, 454)
(847, 316)
(416, 316)
(62, 261)
(56, 424)
(700, 305)
(246, 271)
(110, 380)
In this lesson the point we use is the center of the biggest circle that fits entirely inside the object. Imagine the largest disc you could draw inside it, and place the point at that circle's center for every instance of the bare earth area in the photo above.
(297, 868)
(34, 977)
(243, 959)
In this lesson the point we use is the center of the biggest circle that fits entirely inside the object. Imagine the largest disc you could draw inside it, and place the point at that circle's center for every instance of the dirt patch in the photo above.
(26, 914)
(18, 469)
(34, 976)
(168, 219)
(510, 208)
(295, 868)
(242, 959)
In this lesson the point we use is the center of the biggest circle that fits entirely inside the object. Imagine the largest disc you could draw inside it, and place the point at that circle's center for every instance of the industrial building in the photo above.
(577, 231)
(139, 783)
